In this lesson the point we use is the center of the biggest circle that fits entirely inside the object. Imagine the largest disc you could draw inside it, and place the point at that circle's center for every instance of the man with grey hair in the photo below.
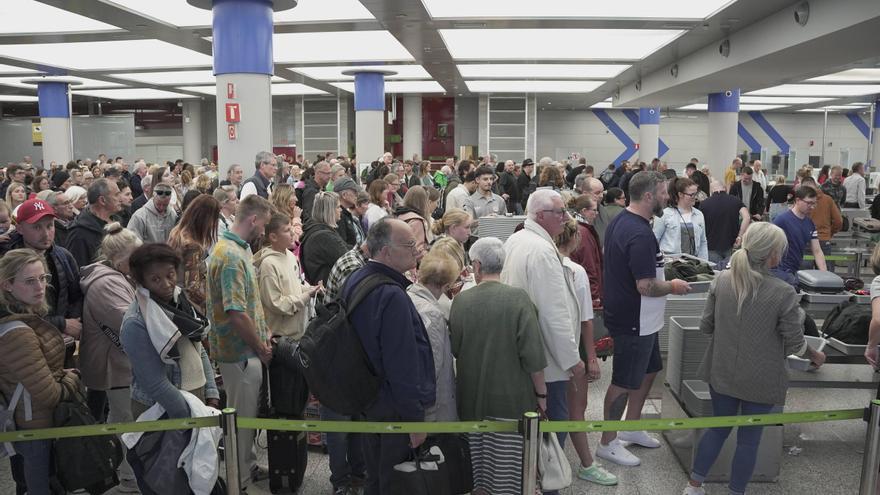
(87, 229)
(146, 193)
(532, 251)
(313, 186)
(261, 182)
(153, 222)
(64, 214)
(580, 184)
(635, 301)
(140, 170)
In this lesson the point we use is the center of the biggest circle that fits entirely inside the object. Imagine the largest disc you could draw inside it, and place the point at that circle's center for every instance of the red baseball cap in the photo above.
(32, 210)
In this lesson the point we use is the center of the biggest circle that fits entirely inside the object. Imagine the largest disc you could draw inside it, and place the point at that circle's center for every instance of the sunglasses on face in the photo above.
(162, 193)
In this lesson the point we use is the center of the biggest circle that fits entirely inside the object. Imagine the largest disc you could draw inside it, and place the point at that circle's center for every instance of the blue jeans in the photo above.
(37, 456)
(747, 441)
(557, 409)
(345, 451)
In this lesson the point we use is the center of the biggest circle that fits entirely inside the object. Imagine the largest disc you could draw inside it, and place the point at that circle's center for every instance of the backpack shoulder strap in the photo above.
(363, 290)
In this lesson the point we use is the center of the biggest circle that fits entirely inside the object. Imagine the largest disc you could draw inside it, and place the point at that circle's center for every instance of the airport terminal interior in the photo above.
(793, 85)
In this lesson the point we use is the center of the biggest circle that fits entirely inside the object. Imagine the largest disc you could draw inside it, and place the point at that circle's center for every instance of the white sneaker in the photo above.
(638, 438)
(694, 490)
(616, 452)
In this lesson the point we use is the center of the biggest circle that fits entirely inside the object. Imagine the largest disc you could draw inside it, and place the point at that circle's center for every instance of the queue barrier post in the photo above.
(530, 428)
(230, 444)
(871, 458)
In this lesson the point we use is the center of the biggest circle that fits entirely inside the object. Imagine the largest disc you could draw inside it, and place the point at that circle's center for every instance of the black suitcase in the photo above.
(288, 457)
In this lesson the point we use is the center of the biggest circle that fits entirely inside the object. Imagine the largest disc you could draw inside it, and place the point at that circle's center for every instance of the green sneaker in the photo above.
(597, 474)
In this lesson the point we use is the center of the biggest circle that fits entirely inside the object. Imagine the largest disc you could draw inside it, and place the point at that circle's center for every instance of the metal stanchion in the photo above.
(529, 427)
(871, 459)
(230, 445)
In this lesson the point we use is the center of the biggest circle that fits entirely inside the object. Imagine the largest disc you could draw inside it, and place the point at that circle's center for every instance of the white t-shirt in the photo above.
(581, 290)
(875, 287)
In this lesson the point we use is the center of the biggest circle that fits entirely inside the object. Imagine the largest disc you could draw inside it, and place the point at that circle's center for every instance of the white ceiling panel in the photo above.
(30, 16)
(9, 69)
(281, 89)
(851, 76)
(343, 46)
(606, 103)
(399, 87)
(506, 86)
(619, 9)
(108, 55)
(335, 73)
(84, 83)
(780, 100)
(742, 108)
(555, 44)
(180, 13)
(540, 71)
(18, 98)
(132, 94)
(175, 78)
(834, 90)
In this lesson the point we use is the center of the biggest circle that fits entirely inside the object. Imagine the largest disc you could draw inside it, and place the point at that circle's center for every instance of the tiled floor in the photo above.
(829, 460)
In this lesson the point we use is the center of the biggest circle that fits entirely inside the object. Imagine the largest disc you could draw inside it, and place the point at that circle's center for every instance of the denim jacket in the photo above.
(667, 230)
(153, 380)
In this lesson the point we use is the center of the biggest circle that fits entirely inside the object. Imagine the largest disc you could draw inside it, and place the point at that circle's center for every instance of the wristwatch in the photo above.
(540, 396)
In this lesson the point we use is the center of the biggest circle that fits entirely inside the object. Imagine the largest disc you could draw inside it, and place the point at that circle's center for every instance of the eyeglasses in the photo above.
(691, 195)
(395, 184)
(557, 211)
(811, 204)
(411, 245)
(162, 193)
(34, 282)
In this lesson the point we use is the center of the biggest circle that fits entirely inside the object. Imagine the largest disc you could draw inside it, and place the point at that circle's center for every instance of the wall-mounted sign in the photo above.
(37, 133)
(230, 91)
(233, 112)
(232, 132)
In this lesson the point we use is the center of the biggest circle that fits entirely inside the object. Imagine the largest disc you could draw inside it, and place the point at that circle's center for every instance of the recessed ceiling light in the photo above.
(852, 75)
(339, 46)
(183, 14)
(84, 83)
(18, 98)
(506, 86)
(132, 94)
(399, 86)
(282, 89)
(839, 90)
(29, 16)
(833, 108)
(540, 71)
(602, 104)
(547, 44)
(335, 73)
(780, 100)
(568, 9)
(174, 78)
(107, 55)
(742, 108)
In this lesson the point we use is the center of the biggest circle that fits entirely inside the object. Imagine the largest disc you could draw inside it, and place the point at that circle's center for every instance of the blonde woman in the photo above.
(763, 331)
(321, 243)
(104, 367)
(16, 194)
(31, 356)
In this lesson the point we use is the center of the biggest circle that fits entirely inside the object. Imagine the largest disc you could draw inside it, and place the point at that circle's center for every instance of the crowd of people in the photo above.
(164, 285)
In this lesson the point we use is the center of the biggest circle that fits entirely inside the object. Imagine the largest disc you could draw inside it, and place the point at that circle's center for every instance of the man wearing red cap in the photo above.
(35, 229)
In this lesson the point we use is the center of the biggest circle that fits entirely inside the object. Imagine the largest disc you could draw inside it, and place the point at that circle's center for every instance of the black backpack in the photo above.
(331, 357)
(848, 322)
(86, 462)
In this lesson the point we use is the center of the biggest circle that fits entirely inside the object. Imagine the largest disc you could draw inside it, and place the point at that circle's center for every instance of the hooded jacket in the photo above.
(320, 247)
(419, 226)
(152, 226)
(84, 237)
(102, 362)
(63, 294)
(589, 255)
(284, 297)
(32, 353)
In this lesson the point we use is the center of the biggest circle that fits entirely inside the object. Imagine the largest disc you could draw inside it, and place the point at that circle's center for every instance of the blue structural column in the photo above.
(369, 114)
(242, 39)
(649, 134)
(875, 146)
(54, 98)
(723, 120)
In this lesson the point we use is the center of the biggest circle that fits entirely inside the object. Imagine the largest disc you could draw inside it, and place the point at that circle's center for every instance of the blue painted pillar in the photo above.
(369, 116)
(242, 39)
(723, 120)
(54, 103)
(649, 134)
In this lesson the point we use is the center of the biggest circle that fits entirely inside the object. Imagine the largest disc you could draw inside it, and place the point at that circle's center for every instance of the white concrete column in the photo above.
(649, 134)
(412, 126)
(192, 131)
(253, 131)
(723, 120)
